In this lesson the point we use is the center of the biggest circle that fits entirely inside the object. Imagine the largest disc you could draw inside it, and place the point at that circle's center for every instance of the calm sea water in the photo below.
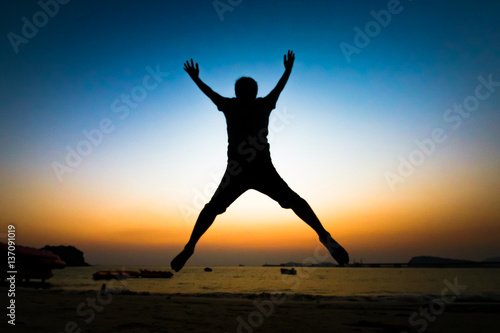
(341, 282)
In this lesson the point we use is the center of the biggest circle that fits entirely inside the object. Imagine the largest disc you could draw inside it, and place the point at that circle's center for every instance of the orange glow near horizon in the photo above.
(447, 207)
(390, 227)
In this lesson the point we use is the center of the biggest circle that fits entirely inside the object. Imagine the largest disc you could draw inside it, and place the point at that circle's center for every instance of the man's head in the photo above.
(246, 88)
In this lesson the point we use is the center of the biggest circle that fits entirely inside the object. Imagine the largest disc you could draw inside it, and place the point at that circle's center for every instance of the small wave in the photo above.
(282, 294)
(361, 298)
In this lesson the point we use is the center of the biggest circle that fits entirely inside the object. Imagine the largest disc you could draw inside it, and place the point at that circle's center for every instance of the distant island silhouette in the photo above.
(74, 257)
(415, 262)
(69, 254)
(429, 260)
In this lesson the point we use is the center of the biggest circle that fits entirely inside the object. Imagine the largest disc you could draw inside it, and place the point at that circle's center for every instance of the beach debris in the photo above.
(156, 274)
(288, 271)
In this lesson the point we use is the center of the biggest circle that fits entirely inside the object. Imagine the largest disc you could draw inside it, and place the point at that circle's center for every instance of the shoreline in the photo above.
(116, 289)
(44, 310)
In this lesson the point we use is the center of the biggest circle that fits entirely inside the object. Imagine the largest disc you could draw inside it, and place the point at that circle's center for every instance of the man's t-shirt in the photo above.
(247, 128)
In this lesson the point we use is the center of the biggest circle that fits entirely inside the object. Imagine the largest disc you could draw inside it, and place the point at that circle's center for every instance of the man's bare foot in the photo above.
(181, 259)
(336, 251)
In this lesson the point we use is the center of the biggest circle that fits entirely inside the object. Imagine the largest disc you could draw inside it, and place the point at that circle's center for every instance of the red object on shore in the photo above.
(115, 274)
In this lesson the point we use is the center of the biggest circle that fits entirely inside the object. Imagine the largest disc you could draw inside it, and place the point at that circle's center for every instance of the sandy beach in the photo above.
(63, 311)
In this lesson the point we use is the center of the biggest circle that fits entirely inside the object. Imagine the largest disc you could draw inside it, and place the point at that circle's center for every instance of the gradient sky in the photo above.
(341, 127)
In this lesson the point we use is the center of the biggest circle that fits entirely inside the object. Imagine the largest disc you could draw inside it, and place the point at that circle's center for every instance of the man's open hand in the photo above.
(192, 69)
(288, 62)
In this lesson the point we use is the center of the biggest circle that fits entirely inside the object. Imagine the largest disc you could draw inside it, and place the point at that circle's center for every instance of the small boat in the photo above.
(117, 275)
(288, 271)
(156, 274)
(208, 269)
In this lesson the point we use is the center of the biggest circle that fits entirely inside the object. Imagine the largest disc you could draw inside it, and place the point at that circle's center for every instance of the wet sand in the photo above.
(63, 311)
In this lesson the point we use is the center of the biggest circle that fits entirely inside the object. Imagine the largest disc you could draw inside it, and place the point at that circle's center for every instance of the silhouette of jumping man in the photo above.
(249, 160)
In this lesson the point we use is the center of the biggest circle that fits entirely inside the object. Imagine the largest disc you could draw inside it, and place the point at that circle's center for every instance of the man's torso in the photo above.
(247, 129)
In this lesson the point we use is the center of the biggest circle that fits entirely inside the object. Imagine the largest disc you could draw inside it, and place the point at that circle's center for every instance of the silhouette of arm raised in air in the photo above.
(193, 71)
(288, 62)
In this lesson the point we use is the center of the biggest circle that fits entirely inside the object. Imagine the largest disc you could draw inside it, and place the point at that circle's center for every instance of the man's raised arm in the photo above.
(193, 71)
(288, 62)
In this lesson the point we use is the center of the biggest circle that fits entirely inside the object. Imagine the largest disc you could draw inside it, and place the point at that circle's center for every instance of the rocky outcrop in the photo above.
(70, 254)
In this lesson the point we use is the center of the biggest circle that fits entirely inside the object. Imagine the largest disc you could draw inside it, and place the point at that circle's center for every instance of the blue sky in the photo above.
(361, 114)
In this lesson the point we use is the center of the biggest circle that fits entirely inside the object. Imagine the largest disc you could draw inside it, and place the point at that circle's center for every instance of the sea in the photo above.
(347, 283)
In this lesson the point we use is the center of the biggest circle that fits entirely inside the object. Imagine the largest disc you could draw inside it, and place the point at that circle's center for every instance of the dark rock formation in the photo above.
(70, 254)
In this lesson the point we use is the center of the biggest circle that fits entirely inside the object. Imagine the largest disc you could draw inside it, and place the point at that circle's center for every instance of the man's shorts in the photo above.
(260, 176)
